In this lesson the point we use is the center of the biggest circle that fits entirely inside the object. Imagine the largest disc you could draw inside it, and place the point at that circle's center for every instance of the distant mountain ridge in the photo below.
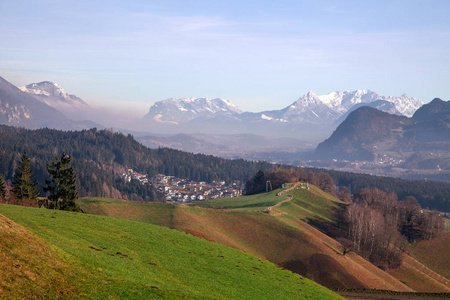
(367, 134)
(315, 115)
(310, 108)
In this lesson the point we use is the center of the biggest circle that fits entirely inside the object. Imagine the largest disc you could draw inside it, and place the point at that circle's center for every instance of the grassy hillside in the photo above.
(435, 254)
(68, 255)
(258, 202)
(289, 236)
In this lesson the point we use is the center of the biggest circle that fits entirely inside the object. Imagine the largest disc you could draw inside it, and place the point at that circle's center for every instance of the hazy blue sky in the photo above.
(258, 54)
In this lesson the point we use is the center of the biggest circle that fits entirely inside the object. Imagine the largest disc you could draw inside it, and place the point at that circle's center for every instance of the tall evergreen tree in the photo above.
(61, 188)
(24, 185)
(2, 188)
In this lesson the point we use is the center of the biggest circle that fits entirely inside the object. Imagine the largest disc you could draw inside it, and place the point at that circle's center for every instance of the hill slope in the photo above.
(116, 258)
(288, 236)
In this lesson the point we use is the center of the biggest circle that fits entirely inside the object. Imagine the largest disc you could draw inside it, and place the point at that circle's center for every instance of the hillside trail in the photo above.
(270, 209)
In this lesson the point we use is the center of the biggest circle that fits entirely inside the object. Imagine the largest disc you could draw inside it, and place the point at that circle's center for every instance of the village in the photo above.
(183, 191)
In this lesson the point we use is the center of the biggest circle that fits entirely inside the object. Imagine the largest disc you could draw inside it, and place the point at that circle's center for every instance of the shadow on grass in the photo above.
(332, 229)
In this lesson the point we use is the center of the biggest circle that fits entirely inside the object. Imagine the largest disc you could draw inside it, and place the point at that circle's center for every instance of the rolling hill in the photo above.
(62, 255)
(289, 235)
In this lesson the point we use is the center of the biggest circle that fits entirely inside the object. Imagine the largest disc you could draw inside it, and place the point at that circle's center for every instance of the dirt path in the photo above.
(270, 211)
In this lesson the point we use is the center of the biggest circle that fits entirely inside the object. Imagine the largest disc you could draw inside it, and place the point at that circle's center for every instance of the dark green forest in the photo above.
(100, 156)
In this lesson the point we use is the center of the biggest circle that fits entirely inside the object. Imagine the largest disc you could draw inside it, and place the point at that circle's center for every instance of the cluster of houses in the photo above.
(179, 190)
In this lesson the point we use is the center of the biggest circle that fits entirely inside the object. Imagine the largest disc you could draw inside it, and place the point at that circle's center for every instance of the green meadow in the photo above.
(258, 202)
(98, 257)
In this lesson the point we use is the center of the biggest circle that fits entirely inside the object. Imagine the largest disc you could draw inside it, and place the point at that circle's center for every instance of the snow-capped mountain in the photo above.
(313, 109)
(315, 116)
(51, 94)
(177, 111)
(343, 101)
(55, 96)
(309, 109)
(18, 108)
(328, 108)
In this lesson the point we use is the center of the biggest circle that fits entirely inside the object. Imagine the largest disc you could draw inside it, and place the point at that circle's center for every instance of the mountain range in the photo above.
(310, 117)
(390, 133)
(209, 125)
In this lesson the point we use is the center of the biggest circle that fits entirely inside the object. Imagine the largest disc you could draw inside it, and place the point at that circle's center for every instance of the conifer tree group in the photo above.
(61, 189)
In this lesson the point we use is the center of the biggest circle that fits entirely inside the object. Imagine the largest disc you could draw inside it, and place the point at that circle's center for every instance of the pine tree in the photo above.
(2, 188)
(61, 188)
(24, 185)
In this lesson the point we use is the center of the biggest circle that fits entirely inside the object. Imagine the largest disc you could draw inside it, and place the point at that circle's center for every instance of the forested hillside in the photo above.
(99, 156)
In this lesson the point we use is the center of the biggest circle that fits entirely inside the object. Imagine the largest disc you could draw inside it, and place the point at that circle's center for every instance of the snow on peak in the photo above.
(51, 93)
(341, 102)
(264, 117)
(186, 109)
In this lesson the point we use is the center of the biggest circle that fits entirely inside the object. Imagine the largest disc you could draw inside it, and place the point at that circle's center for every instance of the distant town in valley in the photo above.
(180, 190)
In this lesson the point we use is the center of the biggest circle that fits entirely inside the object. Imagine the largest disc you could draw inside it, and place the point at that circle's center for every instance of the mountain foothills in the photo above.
(420, 142)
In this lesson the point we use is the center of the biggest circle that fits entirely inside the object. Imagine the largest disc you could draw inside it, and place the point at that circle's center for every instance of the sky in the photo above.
(260, 55)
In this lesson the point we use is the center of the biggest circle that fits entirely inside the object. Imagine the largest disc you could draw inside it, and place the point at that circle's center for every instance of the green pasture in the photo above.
(258, 202)
(119, 259)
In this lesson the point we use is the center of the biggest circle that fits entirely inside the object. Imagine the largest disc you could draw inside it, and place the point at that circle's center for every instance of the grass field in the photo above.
(258, 202)
(87, 256)
(311, 204)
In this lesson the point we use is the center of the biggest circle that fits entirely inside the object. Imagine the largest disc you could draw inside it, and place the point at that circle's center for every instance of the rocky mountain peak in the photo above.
(187, 109)
(51, 92)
